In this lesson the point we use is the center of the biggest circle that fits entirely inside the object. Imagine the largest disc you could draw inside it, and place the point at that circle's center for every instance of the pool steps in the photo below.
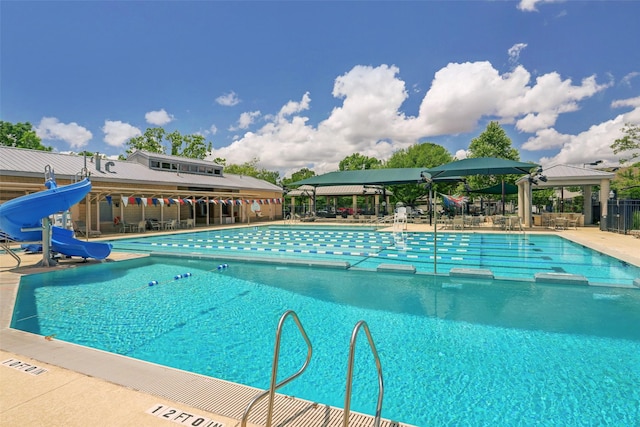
(273, 385)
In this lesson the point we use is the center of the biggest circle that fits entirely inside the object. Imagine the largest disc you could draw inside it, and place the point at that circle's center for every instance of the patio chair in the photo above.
(142, 226)
(80, 228)
(171, 225)
(573, 221)
(125, 226)
(499, 222)
(458, 223)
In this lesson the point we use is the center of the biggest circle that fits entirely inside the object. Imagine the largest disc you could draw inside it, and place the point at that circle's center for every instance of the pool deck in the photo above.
(87, 387)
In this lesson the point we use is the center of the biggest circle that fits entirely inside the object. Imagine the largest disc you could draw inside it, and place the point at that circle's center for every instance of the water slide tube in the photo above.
(26, 213)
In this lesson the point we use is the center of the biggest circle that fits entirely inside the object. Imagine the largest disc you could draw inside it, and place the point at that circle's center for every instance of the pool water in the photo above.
(453, 351)
(507, 255)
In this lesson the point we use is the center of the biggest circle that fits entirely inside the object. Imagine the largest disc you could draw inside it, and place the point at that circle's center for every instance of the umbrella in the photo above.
(367, 176)
(481, 166)
(497, 189)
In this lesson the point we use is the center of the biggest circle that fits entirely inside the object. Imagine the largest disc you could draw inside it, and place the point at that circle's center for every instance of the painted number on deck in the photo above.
(24, 366)
(182, 417)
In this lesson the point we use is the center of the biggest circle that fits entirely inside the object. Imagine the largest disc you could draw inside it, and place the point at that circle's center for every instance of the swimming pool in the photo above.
(506, 255)
(454, 351)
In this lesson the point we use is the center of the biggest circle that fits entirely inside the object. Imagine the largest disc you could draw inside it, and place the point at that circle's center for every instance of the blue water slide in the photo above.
(21, 219)
(62, 241)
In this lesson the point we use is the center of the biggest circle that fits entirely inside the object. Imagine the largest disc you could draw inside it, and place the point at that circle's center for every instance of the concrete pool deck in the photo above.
(82, 387)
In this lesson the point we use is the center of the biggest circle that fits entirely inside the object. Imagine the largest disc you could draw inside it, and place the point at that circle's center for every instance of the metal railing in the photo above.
(274, 370)
(622, 216)
(352, 348)
(5, 244)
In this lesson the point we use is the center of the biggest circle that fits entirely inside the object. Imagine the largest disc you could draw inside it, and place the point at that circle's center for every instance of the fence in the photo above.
(622, 216)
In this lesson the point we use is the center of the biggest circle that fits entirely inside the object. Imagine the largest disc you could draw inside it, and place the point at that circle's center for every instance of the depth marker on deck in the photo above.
(24, 367)
(181, 417)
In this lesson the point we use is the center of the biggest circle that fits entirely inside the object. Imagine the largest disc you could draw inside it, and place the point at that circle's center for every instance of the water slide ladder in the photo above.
(274, 371)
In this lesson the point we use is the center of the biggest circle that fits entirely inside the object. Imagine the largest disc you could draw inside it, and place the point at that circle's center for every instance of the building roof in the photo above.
(31, 163)
(567, 175)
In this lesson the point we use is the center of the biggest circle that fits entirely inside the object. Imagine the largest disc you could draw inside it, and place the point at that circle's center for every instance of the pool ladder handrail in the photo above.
(352, 348)
(274, 370)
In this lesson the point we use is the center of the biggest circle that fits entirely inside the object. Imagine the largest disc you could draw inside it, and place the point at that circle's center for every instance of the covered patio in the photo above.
(560, 176)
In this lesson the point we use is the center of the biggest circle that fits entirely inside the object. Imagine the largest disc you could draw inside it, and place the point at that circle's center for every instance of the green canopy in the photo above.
(481, 166)
(497, 189)
(367, 176)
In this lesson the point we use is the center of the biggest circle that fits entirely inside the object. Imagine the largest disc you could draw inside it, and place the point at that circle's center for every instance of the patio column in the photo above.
(355, 204)
(376, 202)
(604, 197)
(587, 205)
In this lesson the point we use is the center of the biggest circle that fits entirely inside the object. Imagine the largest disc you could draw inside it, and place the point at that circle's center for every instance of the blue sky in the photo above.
(305, 84)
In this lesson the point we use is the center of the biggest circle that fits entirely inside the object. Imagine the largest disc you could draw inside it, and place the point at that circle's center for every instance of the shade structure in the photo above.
(481, 166)
(389, 176)
(497, 189)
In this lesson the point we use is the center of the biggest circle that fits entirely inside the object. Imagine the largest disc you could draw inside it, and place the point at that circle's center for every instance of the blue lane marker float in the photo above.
(223, 267)
(176, 277)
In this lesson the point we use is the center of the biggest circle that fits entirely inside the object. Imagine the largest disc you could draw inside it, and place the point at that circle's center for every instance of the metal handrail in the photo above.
(5, 244)
(352, 348)
(274, 370)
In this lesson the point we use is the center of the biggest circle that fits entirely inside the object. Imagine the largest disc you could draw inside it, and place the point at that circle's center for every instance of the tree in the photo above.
(493, 142)
(21, 135)
(250, 168)
(150, 141)
(195, 147)
(155, 140)
(541, 197)
(357, 161)
(627, 182)
(303, 173)
(629, 142)
(424, 155)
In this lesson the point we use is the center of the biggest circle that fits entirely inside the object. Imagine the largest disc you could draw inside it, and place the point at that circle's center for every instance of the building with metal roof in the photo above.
(559, 176)
(146, 185)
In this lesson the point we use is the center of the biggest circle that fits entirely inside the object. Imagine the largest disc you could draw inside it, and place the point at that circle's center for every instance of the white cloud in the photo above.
(461, 154)
(631, 102)
(158, 118)
(213, 129)
(530, 5)
(592, 144)
(116, 133)
(370, 120)
(626, 80)
(461, 94)
(72, 133)
(228, 99)
(246, 119)
(514, 52)
(292, 107)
